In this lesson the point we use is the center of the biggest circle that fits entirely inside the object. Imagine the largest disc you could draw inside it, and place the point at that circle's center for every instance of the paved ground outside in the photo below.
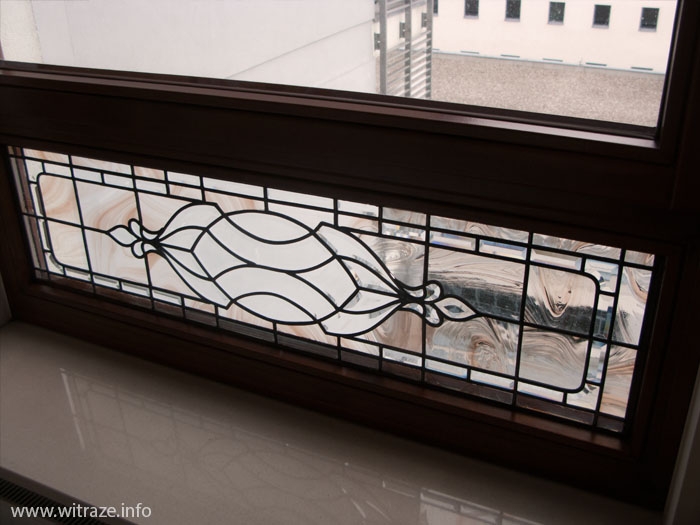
(586, 92)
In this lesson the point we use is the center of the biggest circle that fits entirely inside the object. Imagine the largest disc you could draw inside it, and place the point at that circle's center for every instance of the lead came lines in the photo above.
(443, 297)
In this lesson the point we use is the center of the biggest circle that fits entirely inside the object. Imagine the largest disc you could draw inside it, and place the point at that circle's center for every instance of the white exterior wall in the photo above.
(621, 46)
(321, 43)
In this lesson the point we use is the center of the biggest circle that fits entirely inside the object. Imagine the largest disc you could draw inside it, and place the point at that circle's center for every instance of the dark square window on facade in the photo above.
(650, 18)
(435, 7)
(512, 9)
(556, 12)
(601, 16)
(471, 7)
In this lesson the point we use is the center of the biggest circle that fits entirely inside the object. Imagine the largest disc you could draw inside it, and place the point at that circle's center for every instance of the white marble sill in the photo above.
(111, 430)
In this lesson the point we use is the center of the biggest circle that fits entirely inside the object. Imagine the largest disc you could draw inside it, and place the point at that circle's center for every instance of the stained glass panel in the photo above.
(537, 322)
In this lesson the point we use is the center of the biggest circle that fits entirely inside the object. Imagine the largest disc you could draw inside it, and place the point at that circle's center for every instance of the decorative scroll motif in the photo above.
(532, 321)
(282, 271)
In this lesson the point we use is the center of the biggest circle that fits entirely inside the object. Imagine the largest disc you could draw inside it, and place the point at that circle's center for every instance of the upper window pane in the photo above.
(471, 54)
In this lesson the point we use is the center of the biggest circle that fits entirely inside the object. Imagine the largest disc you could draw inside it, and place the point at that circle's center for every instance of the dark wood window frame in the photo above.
(610, 184)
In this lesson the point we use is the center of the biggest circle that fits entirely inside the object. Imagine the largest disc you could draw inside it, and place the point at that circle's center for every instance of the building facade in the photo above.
(309, 43)
(619, 34)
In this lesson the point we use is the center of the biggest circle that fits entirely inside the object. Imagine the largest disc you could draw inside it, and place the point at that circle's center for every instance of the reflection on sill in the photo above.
(132, 430)
(110, 429)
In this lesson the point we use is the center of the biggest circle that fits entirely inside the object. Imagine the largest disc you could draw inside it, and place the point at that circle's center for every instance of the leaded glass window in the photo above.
(536, 322)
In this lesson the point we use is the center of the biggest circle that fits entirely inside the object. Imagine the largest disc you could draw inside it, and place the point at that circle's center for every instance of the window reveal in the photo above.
(520, 318)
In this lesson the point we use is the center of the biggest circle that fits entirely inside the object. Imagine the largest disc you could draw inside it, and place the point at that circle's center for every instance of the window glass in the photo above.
(650, 18)
(471, 7)
(556, 12)
(601, 16)
(513, 9)
(468, 55)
